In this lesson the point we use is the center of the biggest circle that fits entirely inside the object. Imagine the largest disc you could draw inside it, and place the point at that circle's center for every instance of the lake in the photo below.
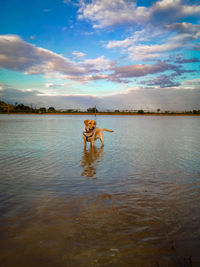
(133, 202)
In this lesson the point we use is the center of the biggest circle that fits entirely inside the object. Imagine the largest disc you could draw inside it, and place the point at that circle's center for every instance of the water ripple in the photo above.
(134, 202)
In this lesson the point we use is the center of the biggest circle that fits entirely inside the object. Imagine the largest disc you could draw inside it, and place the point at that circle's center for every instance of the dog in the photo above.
(92, 133)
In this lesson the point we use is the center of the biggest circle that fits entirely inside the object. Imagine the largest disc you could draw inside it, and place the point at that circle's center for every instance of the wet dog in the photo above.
(92, 133)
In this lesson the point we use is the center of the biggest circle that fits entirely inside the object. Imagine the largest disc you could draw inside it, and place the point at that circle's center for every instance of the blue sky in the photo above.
(117, 54)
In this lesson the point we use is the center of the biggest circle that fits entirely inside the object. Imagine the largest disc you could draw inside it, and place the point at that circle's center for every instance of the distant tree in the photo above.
(42, 109)
(3, 106)
(140, 111)
(194, 111)
(92, 110)
(117, 110)
(51, 109)
(22, 108)
(158, 110)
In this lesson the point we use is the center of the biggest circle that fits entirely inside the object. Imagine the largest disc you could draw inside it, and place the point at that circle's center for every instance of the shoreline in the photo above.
(104, 113)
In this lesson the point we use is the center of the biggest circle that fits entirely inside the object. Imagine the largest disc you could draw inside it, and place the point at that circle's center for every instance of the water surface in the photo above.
(134, 202)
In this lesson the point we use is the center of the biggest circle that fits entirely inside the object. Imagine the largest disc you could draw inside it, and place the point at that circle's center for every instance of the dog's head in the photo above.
(90, 125)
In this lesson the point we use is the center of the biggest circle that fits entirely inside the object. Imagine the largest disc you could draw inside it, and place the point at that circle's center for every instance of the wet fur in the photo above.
(98, 133)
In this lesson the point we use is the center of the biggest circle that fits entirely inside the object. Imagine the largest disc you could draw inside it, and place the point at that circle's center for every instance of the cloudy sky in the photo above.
(117, 54)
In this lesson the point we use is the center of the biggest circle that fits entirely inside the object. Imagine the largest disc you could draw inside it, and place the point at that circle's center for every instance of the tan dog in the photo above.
(92, 133)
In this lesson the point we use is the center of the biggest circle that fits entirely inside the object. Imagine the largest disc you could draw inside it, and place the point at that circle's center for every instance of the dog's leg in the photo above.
(92, 143)
(101, 139)
(84, 141)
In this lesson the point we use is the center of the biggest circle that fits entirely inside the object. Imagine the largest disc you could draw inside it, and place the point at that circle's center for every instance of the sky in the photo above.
(116, 54)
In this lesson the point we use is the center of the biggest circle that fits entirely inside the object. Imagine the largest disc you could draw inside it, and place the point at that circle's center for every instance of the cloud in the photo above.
(137, 46)
(141, 51)
(191, 85)
(162, 81)
(184, 27)
(13, 95)
(18, 55)
(98, 64)
(137, 36)
(32, 37)
(171, 10)
(119, 74)
(151, 99)
(140, 70)
(78, 54)
(56, 85)
(103, 13)
(181, 60)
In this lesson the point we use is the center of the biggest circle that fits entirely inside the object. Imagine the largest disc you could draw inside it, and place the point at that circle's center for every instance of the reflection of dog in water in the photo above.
(90, 160)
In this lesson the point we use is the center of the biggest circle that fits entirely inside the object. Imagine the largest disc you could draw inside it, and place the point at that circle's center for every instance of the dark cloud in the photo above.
(140, 70)
(19, 55)
(184, 27)
(183, 97)
(181, 60)
(162, 81)
(13, 95)
(121, 73)
(165, 11)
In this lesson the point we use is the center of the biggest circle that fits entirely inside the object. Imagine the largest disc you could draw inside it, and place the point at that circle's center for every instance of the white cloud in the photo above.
(104, 13)
(142, 52)
(138, 36)
(98, 64)
(18, 55)
(191, 85)
(78, 54)
(137, 48)
(48, 85)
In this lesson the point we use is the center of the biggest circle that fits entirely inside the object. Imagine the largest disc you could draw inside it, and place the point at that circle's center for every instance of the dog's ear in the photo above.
(94, 122)
(86, 122)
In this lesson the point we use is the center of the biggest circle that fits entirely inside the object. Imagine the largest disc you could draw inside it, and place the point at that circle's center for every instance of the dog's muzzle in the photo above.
(86, 132)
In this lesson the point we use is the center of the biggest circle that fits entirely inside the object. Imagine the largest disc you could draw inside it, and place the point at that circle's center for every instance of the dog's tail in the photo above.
(107, 130)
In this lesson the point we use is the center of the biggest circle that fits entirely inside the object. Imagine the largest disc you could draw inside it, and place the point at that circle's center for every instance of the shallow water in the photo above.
(134, 202)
